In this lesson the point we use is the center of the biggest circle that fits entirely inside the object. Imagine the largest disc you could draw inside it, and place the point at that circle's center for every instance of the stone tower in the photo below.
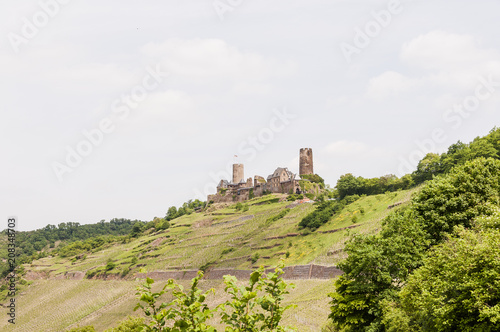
(306, 161)
(238, 174)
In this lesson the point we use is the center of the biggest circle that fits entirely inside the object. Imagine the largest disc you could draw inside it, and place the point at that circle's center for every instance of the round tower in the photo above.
(238, 174)
(306, 161)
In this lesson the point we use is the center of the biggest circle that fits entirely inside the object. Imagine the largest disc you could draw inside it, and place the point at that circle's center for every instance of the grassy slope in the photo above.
(193, 241)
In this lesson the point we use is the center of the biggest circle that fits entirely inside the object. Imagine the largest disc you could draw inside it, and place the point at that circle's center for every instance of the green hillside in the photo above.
(221, 237)
(226, 237)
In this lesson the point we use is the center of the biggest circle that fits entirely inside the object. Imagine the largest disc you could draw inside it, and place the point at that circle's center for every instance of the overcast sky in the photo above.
(124, 108)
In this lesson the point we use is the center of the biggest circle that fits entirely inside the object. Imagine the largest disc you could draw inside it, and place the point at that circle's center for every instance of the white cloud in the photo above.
(441, 50)
(389, 83)
(446, 64)
(209, 60)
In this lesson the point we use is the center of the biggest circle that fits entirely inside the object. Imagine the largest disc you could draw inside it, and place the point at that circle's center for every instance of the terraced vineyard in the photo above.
(221, 238)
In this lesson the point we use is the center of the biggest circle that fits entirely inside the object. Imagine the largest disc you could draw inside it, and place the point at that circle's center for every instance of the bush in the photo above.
(310, 196)
(278, 216)
(110, 265)
(227, 251)
(131, 324)
(255, 257)
(88, 328)
(125, 272)
(257, 307)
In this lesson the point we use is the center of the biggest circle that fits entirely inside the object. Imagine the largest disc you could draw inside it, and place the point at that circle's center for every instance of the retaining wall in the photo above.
(310, 271)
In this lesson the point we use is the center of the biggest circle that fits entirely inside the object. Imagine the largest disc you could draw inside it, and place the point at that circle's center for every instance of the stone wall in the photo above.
(306, 161)
(310, 271)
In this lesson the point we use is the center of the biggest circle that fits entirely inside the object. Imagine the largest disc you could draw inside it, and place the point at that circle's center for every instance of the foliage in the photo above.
(377, 266)
(88, 328)
(242, 314)
(430, 166)
(278, 216)
(78, 247)
(458, 287)
(375, 269)
(348, 185)
(186, 208)
(110, 265)
(294, 197)
(32, 245)
(314, 178)
(187, 311)
(244, 311)
(131, 324)
(325, 211)
(466, 193)
(255, 257)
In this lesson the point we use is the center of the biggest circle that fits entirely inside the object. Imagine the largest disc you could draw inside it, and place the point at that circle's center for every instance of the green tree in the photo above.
(376, 267)
(429, 166)
(458, 287)
(348, 185)
(466, 193)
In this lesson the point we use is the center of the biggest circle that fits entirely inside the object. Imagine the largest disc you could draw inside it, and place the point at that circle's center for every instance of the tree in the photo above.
(458, 287)
(376, 267)
(458, 154)
(137, 229)
(348, 185)
(466, 193)
(427, 167)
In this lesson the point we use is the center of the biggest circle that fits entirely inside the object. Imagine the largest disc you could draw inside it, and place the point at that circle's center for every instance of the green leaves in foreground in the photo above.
(256, 307)
(239, 313)
(187, 311)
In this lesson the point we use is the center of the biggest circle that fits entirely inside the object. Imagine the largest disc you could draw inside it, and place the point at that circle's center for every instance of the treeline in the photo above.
(433, 266)
(430, 166)
(186, 208)
(29, 245)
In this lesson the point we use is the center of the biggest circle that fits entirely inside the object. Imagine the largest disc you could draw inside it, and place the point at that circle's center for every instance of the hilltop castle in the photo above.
(280, 181)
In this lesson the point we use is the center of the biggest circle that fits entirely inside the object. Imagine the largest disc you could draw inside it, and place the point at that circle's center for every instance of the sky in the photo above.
(121, 109)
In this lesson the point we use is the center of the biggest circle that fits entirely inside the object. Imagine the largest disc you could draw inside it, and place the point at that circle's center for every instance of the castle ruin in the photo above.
(280, 181)
(306, 161)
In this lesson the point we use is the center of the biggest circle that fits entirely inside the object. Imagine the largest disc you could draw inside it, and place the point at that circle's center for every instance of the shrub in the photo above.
(131, 324)
(278, 216)
(125, 272)
(110, 265)
(256, 307)
(227, 251)
(88, 328)
(310, 196)
(255, 257)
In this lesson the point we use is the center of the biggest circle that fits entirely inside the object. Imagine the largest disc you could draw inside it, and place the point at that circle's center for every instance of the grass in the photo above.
(54, 305)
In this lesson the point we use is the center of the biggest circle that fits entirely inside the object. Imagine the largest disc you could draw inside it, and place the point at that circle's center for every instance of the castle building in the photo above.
(280, 181)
